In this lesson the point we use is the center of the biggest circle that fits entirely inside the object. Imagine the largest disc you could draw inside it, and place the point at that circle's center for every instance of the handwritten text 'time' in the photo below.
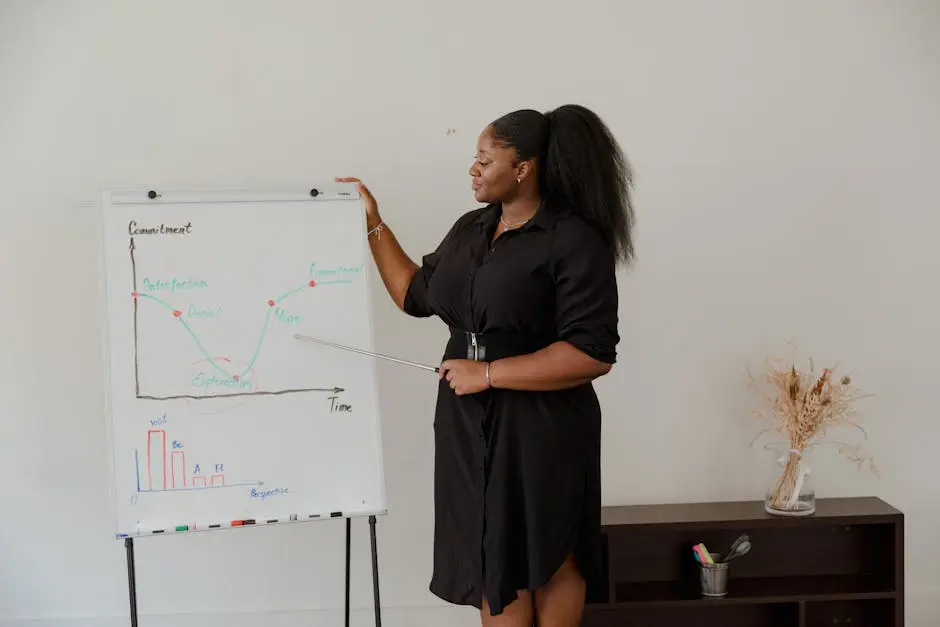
(338, 406)
(266, 493)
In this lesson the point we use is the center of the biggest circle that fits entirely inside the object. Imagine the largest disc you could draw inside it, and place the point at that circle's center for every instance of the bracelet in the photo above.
(378, 229)
(489, 381)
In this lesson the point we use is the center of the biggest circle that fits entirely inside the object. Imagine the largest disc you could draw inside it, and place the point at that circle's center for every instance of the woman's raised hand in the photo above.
(371, 206)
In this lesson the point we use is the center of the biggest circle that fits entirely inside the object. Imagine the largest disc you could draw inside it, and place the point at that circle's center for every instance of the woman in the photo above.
(528, 288)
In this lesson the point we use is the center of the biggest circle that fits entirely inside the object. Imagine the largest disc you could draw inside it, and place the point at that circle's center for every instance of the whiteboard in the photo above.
(218, 417)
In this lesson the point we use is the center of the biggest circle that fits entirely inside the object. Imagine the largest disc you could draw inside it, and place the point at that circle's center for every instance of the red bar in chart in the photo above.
(199, 482)
(178, 467)
(218, 480)
(156, 458)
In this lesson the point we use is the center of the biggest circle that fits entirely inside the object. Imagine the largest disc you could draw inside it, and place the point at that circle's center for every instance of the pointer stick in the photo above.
(365, 352)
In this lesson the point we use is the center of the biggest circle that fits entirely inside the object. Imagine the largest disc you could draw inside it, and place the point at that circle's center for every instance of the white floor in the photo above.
(925, 600)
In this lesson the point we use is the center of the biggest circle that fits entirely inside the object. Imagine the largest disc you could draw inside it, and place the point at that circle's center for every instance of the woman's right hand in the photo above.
(372, 207)
(395, 267)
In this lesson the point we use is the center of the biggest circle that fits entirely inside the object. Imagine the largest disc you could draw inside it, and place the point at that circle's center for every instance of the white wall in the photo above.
(786, 158)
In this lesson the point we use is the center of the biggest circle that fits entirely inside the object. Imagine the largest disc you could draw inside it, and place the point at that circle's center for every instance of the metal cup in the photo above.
(714, 577)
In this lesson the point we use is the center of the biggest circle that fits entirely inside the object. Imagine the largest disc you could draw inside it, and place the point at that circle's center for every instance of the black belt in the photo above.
(491, 346)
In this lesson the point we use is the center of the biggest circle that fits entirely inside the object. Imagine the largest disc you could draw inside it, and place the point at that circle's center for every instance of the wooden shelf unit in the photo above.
(843, 565)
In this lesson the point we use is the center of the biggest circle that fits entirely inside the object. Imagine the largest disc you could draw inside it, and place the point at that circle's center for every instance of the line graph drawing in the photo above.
(228, 376)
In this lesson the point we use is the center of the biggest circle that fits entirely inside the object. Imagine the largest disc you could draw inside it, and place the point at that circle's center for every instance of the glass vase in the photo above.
(790, 490)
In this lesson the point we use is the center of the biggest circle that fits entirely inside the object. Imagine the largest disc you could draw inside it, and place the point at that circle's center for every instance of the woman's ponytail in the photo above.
(581, 168)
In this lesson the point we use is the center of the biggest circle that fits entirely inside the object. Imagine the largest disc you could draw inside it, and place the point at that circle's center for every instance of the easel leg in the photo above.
(375, 573)
(375, 570)
(348, 542)
(131, 579)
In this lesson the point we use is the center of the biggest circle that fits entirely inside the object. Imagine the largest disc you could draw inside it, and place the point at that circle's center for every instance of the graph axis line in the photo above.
(242, 484)
(200, 397)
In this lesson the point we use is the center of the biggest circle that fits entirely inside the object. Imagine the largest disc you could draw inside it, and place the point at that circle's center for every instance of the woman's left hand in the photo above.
(465, 376)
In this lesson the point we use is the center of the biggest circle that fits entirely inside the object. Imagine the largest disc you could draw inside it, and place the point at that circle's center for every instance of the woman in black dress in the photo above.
(527, 286)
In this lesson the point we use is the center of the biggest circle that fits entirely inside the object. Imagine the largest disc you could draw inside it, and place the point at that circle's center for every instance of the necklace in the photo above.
(513, 225)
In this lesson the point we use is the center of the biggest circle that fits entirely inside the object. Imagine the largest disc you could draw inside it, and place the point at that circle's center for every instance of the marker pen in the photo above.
(241, 523)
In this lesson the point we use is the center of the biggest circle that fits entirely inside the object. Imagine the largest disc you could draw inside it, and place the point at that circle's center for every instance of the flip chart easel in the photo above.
(205, 292)
(377, 606)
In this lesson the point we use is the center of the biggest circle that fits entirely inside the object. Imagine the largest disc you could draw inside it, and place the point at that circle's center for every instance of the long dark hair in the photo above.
(581, 167)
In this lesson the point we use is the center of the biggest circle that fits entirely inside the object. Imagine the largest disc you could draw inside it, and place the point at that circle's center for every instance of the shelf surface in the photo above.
(755, 590)
(832, 510)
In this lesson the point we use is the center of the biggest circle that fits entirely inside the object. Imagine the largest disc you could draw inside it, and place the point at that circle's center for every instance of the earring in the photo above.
(519, 180)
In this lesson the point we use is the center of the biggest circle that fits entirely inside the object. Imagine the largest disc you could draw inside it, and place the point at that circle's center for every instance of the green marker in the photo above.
(183, 528)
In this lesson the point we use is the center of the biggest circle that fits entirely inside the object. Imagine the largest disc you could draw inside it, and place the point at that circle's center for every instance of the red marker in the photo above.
(235, 376)
(177, 313)
(135, 294)
(312, 283)
(271, 303)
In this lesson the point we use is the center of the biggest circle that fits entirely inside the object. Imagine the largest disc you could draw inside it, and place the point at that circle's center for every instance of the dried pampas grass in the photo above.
(804, 406)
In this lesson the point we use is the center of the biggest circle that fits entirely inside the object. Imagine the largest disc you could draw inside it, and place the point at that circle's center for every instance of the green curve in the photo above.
(264, 328)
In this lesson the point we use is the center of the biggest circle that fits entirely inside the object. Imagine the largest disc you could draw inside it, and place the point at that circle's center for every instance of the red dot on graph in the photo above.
(177, 313)
(312, 283)
(235, 377)
(271, 303)
(135, 294)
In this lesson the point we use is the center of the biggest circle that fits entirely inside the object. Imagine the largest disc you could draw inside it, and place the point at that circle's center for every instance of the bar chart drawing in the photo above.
(162, 470)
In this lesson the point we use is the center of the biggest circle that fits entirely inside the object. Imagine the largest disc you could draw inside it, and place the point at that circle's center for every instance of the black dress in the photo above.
(516, 473)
